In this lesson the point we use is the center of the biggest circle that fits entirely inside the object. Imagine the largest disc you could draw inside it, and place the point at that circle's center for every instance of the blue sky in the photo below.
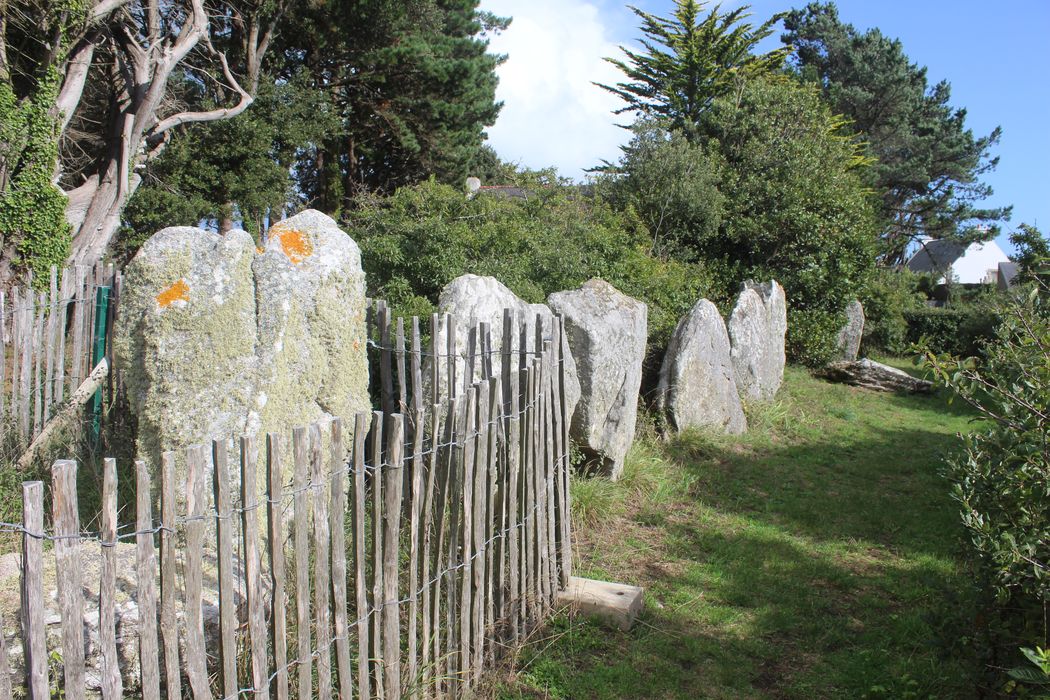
(994, 56)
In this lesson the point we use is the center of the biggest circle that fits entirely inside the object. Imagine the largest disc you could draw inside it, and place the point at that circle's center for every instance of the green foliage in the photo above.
(689, 61)
(413, 85)
(32, 209)
(929, 164)
(672, 186)
(422, 237)
(229, 171)
(796, 209)
(1033, 252)
(1001, 476)
(888, 295)
(960, 331)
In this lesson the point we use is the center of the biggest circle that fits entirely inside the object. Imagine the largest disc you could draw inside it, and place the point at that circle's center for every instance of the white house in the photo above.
(976, 263)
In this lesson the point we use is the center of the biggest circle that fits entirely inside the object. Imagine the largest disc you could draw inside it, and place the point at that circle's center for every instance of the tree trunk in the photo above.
(226, 218)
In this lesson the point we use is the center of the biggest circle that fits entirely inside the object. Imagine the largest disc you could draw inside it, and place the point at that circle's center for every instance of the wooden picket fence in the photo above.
(47, 342)
(397, 561)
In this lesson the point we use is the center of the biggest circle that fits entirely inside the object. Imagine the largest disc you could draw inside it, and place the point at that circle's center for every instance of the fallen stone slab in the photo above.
(615, 603)
(875, 375)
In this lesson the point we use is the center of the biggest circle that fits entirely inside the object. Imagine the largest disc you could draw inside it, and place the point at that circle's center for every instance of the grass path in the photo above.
(812, 558)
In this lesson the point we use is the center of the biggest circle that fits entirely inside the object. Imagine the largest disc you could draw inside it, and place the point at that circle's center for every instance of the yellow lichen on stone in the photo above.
(295, 244)
(179, 291)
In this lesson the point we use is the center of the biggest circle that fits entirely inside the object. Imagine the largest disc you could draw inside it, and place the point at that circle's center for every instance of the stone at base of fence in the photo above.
(615, 603)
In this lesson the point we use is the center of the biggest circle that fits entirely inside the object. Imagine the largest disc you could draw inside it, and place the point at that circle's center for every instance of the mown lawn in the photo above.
(814, 557)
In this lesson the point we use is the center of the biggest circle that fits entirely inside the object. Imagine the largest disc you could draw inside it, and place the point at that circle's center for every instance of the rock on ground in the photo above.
(473, 300)
(875, 375)
(850, 335)
(697, 388)
(217, 338)
(607, 333)
(126, 609)
(757, 330)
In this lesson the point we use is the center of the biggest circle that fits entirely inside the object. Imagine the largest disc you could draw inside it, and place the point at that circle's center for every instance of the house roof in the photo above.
(975, 263)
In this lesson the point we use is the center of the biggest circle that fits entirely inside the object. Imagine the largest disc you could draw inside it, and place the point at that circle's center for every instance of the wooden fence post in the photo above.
(275, 521)
(391, 525)
(147, 590)
(33, 628)
(107, 619)
(67, 560)
(252, 566)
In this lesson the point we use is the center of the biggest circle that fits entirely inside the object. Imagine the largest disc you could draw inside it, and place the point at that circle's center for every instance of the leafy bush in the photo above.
(890, 294)
(796, 207)
(424, 236)
(1001, 477)
(958, 331)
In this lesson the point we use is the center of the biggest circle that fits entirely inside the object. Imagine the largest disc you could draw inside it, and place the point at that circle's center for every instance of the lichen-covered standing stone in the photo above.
(473, 300)
(607, 333)
(185, 338)
(757, 330)
(697, 388)
(851, 334)
(218, 339)
(310, 294)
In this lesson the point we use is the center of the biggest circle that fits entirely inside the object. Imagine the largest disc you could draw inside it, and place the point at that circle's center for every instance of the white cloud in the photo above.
(553, 114)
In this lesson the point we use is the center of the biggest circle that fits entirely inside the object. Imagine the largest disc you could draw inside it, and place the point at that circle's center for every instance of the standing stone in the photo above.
(850, 335)
(310, 294)
(697, 388)
(218, 339)
(473, 300)
(607, 333)
(757, 330)
(185, 338)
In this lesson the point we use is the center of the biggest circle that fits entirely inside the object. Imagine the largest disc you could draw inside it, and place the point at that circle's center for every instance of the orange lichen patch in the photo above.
(180, 291)
(295, 244)
(260, 249)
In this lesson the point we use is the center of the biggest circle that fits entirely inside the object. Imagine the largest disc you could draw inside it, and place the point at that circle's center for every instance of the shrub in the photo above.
(1001, 476)
(796, 207)
(890, 294)
(424, 236)
(958, 331)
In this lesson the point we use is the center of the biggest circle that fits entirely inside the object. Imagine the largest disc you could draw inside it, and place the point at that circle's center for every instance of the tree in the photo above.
(233, 171)
(796, 207)
(124, 69)
(413, 83)
(1033, 251)
(929, 164)
(689, 61)
(672, 186)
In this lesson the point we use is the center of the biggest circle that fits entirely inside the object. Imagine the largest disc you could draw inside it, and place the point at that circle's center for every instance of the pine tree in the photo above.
(929, 164)
(689, 61)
